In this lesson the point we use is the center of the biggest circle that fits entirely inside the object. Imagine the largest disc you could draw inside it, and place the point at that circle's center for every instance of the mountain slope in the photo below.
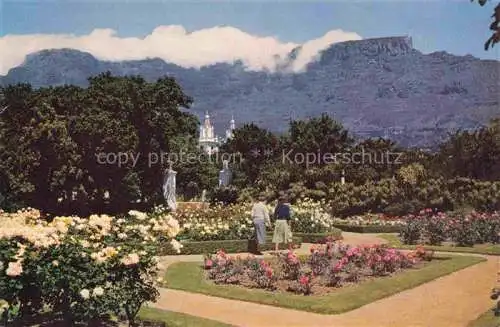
(373, 86)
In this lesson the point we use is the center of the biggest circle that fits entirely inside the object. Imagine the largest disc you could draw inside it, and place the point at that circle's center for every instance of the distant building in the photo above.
(232, 127)
(208, 141)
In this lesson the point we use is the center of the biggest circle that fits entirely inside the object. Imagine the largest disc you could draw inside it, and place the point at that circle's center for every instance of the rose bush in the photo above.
(463, 229)
(80, 268)
(310, 216)
(370, 220)
(218, 222)
(233, 222)
(330, 265)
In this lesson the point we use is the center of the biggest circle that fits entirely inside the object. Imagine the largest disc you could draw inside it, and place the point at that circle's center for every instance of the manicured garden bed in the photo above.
(368, 228)
(369, 223)
(335, 234)
(489, 249)
(240, 246)
(230, 246)
(191, 277)
(487, 319)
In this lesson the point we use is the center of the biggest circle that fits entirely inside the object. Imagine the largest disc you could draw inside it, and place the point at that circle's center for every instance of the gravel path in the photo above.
(449, 301)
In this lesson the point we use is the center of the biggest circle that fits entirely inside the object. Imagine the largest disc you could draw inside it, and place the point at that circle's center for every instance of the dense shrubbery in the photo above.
(234, 222)
(393, 198)
(463, 229)
(80, 269)
(327, 266)
(310, 217)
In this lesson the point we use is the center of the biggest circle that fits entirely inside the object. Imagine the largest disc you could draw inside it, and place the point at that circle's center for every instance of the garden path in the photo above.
(449, 301)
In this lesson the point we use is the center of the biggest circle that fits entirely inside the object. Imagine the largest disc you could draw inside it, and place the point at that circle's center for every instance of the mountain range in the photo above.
(375, 87)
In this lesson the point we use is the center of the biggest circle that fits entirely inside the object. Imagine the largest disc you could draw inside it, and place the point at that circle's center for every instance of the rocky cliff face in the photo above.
(376, 87)
(369, 48)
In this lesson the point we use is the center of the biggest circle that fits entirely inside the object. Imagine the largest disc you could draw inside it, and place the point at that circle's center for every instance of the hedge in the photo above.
(319, 237)
(238, 246)
(368, 228)
(230, 246)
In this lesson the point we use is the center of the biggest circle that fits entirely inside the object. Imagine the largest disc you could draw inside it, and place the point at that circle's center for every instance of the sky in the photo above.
(198, 33)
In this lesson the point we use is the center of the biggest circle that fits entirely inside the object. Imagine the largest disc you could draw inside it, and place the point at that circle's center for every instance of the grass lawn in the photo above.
(189, 276)
(487, 319)
(491, 249)
(175, 319)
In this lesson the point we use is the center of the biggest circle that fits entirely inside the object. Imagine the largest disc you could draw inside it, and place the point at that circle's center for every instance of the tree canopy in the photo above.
(73, 150)
(494, 26)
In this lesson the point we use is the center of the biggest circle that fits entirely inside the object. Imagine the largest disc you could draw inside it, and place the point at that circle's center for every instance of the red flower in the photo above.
(304, 280)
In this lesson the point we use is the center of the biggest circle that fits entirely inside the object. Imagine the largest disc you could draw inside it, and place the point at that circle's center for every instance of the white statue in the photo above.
(225, 175)
(169, 188)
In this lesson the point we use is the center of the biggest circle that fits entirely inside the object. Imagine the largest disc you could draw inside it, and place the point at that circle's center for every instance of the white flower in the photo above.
(55, 263)
(98, 291)
(131, 259)
(85, 294)
(15, 269)
(138, 215)
(176, 245)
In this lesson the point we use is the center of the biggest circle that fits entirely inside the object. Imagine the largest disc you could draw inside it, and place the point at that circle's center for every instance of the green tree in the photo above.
(320, 135)
(494, 26)
(54, 141)
(380, 159)
(253, 148)
(473, 154)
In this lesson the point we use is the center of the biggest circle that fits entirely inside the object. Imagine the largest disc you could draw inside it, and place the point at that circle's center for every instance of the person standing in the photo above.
(282, 228)
(260, 216)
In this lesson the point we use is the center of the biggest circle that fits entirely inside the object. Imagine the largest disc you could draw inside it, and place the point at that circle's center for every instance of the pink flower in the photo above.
(208, 264)
(304, 280)
(338, 266)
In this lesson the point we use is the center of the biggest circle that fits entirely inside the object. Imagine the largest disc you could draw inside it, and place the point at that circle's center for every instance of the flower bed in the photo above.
(189, 276)
(325, 269)
(333, 235)
(214, 223)
(81, 269)
(433, 228)
(233, 222)
(488, 249)
(369, 223)
(230, 246)
(310, 217)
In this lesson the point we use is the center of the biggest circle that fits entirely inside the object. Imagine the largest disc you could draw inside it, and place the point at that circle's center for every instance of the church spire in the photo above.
(232, 124)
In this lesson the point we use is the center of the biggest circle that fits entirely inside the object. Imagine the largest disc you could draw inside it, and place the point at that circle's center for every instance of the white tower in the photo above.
(208, 141)
(232, 127)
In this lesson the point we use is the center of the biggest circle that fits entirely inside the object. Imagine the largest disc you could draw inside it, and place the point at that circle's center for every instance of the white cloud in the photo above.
(173, 44)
